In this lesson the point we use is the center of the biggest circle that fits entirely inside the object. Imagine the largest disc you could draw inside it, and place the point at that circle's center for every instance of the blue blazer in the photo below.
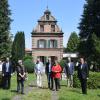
(70, 69)
(83, 72)
(4, 68)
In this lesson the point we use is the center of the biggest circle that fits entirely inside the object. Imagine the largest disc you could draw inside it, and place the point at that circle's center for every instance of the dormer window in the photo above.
(47, 17)
(41, 28)
(52, 28)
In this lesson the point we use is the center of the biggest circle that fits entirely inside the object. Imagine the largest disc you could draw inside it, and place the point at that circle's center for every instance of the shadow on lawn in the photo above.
(38, 87)
(98, 95)
(74, 90)
(14, 91)
(63, 85)
(5, 99)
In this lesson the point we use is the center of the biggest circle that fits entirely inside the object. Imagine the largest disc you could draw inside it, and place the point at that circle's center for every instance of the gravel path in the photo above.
(30, 87)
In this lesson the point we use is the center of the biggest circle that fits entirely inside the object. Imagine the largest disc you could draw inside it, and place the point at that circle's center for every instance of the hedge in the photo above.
(92, 83)
(29, 65)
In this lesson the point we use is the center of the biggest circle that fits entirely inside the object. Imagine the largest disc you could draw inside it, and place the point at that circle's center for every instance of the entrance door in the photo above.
(43, 59)
(53, 58)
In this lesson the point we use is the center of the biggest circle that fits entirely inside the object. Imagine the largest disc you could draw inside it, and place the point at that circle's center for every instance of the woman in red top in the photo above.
(56, 75)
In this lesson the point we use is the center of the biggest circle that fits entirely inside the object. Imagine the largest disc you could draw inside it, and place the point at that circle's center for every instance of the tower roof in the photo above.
(47, 24)
(47, 16)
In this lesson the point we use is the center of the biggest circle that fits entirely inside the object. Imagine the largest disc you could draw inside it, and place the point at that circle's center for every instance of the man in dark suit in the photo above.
(83, 74)
(70, 71)
(6, 71)
(48, 72)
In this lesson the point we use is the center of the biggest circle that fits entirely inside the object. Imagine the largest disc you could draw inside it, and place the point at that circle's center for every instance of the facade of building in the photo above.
(47, 39)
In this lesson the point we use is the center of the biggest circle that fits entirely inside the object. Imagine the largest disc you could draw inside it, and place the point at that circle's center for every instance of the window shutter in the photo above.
(45, 43)
(37, 43)
(48, 43)
(55, 43)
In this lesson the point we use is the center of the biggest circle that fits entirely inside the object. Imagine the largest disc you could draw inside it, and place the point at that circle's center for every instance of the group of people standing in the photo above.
(54, 70)
(6, 71)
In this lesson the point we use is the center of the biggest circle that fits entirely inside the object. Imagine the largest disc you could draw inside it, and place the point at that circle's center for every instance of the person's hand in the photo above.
(2, 74)
(87, 78)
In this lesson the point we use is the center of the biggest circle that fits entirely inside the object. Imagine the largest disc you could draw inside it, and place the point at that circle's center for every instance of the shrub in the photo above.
(27, 57)
(94, 80)
(29, 65)
(92, 83)
(76, 82)
(62, 63)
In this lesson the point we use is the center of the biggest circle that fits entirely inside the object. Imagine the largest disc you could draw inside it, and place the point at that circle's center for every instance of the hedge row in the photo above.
(92, 83)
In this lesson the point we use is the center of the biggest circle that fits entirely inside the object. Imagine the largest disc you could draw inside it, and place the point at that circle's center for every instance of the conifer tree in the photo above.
(73, 42)
(5, 21)
(18, 47)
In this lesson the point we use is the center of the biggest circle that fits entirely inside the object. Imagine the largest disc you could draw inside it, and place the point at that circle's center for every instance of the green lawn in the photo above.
(45, 94)
(8, 94)
(76, 94)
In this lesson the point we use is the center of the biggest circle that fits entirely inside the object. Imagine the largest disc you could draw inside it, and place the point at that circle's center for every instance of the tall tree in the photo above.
(5, 21)
(90, 31)
(73, 43)
(90, 21)
(18, 47)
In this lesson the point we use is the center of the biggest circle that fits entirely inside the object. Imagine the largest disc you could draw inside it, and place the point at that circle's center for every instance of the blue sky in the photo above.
(25, 14)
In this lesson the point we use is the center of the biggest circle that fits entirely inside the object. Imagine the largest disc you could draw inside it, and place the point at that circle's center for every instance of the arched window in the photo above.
(41, 28)
(41, 43)
(47, 17)
(52, 43)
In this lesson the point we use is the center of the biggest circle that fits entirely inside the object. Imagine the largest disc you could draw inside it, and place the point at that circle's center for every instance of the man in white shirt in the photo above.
(38, 71)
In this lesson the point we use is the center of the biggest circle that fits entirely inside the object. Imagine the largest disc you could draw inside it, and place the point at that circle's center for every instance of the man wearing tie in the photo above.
(70, 71)
(6, 71)
(83, 74)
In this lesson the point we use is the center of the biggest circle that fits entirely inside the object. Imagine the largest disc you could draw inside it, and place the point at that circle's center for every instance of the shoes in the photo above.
(53, 89)
(22, 93)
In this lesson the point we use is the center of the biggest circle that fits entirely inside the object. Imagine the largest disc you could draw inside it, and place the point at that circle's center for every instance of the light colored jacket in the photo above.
(39, 68)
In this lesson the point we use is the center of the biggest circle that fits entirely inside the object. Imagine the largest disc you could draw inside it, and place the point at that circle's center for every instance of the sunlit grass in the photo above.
(75, 94)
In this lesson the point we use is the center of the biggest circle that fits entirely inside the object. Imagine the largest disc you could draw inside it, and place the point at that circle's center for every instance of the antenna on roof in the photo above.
(47, 4)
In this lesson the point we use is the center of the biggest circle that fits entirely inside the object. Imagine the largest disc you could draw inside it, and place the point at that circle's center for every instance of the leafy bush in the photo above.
(27, 57)
(76, 81)
(94, 80)
(29, 65)
(62, 63)
(92, 83)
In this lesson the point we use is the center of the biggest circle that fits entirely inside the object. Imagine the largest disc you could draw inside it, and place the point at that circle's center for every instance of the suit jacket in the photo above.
(21, 70)
(83, 72)
(4, 68)
(70, 69)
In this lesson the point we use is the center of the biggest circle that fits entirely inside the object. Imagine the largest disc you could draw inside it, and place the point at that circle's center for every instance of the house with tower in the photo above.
(47, 39)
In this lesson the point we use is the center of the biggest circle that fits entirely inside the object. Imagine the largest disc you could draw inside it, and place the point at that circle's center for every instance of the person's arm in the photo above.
(73, 68)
